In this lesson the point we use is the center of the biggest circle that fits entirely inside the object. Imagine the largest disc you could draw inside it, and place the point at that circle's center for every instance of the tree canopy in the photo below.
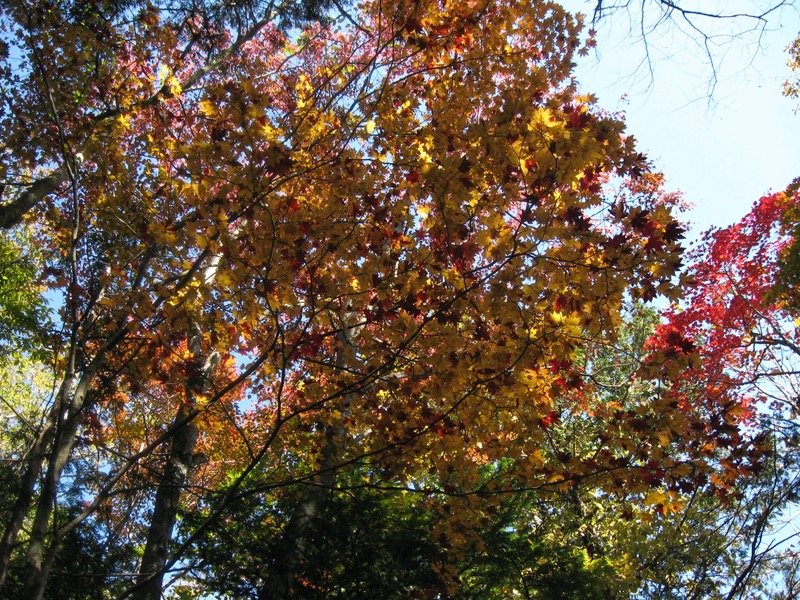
(346, 285)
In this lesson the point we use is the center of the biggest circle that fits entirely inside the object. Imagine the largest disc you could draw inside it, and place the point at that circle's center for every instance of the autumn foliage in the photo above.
(385, 247)
(742, 332)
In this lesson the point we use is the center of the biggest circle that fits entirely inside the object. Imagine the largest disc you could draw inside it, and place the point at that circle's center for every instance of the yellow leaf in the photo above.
(174, 86)
(207, 108)
(654, 498)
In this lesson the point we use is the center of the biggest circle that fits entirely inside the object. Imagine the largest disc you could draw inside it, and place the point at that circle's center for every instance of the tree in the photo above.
(23, 326)
(661, 537)
(787, 277)
(23, 309)
(380, 242)
(741, 317)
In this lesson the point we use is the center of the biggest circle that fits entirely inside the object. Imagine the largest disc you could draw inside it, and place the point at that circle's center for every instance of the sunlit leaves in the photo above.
(23, 311)
(391, 246)
(736, 333)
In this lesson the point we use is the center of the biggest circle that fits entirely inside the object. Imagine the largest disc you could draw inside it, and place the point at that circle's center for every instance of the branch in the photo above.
(12, 212)
(649, 18)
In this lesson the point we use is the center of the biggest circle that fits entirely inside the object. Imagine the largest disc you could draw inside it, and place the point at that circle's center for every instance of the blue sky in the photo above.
(725, 152)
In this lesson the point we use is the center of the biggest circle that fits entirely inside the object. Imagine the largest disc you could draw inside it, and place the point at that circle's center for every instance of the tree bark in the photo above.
(24, 498)
(12, 213)
(59, 435)
(297, 534)
(165, 510)
(69, 406)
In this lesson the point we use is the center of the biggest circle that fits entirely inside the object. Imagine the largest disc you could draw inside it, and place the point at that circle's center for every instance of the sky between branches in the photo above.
(723, 151)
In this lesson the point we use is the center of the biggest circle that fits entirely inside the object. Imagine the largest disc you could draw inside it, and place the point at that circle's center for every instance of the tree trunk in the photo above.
(165, 510)
(24, 498)
(297, 534)
(60, 431)
(176, 474)
(37, 566)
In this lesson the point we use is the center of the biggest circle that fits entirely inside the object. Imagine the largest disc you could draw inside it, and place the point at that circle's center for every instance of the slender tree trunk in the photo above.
(58, 434)
(176, 474)
(24, 498)
(37, 565)
(592, 541)
(165, 511)
(179, 463)
(298, 532)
